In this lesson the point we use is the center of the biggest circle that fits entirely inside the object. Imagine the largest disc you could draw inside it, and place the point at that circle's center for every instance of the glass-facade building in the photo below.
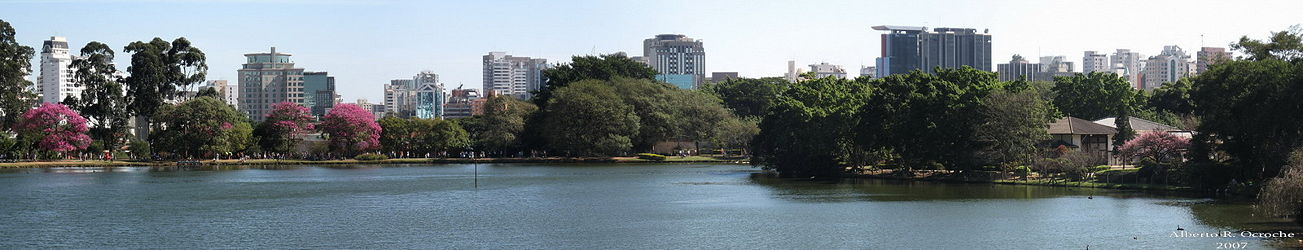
(907, 48)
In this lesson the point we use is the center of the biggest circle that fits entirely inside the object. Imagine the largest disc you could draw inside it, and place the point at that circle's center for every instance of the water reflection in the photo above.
(861, 189)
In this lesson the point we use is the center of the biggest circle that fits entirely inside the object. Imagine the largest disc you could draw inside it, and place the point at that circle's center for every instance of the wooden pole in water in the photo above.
(477, 175)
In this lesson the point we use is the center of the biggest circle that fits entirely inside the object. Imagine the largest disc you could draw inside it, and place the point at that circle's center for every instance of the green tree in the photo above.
(927, 120)
(1014, 123)
(158, 69)
(443, 136)
(697, 115)
(604, 67)
(15, 64)
(588, 118)
(1173, 97)
(1095, 95)
(201, 127)
(653, 103)
(748, 97)
(503, 123)
(1282, 45)
(399, 135)
(102, 100)
(810, 129)
(736, 132)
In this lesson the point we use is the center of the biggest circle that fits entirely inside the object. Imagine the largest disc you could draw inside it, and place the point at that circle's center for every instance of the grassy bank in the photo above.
(1009, 179)
(75, 163)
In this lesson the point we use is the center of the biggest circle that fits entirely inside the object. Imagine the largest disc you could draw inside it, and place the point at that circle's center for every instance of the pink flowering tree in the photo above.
(1157, 146)
(351, 129)
(58, 128)
(285, 125)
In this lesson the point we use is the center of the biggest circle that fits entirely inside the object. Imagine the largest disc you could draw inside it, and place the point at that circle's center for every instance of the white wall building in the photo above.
(1128, 64)
(55, 81)
(824, 69)
(1169, 66)
(512, 75)
(1093, 61)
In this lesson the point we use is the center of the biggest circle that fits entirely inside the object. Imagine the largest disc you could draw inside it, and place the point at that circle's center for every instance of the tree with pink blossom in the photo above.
(351, 129)
(58, 128)
(285, 125)
(1157, 146)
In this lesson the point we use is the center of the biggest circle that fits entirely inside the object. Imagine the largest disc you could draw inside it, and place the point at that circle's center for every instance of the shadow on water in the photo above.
(862, 189)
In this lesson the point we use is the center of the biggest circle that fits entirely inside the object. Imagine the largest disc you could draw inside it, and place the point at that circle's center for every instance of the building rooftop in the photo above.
(1077, 126)
(899, 28)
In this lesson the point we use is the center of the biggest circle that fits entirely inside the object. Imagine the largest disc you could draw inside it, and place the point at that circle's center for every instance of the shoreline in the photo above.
(229, 162)
(971, 178)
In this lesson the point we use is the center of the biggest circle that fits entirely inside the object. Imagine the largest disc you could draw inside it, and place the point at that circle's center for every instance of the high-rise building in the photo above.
(868, 71)
(513, 76)
(463, 103)
(825, 69)
(377, 110)
(906, 48)
(55, 82)
(1054, 66)
(229, 93)
(678, 59)
(267, 79)
(1018, 69)
(400, 96)
(429, 95)
(319, 92)
(1208, 56)
(793, 73)
(1093, 61)
(1129, 65)
(1169, 66)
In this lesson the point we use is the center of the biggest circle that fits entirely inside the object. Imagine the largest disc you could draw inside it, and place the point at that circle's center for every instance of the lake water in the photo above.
(671, 206)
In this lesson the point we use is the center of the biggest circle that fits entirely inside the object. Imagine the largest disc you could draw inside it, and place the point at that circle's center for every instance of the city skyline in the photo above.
(386, 40)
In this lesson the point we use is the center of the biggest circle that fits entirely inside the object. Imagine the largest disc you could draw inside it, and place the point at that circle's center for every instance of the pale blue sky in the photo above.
(364, 44)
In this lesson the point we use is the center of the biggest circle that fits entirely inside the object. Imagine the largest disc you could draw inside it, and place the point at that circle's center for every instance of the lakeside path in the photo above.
(98, 163)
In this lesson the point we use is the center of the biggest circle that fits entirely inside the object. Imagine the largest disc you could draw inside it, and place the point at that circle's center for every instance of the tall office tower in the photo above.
(55, 82)
(678, 59)
(1208, 56)
(1018, 69)
(319, 92)
(1093, 61)
(906, 48)
(429, 95)
(792, 74)
(1169, 66)
(400, 97)
(267, 79)
(513, 76)
(824, 69)
(1129, 64)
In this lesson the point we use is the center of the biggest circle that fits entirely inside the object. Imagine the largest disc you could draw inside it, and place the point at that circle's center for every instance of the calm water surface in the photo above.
(575, 206)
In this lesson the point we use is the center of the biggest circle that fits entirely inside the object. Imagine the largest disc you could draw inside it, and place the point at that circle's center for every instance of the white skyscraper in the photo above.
(1128, 64)
(55, 82)
(511, 75)
(1169, 66)
(1095, 62)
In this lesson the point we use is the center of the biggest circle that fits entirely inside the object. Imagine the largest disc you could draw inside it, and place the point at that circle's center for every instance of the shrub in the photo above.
(652, 157)
(1022, 170)
(1282, 196)
(370, 157)
(1100, 168)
